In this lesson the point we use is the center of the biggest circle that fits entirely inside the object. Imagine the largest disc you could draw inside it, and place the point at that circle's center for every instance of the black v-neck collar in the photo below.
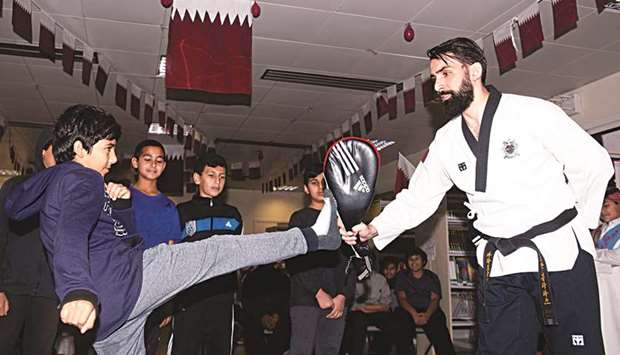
(480, 147)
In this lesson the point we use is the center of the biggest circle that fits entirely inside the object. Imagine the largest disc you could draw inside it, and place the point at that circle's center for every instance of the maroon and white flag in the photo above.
(161, 113)
(356, 129)
(530, 30)
(564, 17)
(134, 104)
(600, 5)
(87, 64)
(47, 36)
(346, 128)
(120, 98)
(404, 171)
(68, 52)
(504, 48)
(428, 87)
(209, 56)
(101, 78)
(149, 102)
(22, 19)
(367, 117)
(392, 102)
(409, 95)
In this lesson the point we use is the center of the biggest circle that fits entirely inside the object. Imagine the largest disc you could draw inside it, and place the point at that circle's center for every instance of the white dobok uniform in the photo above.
(530, 163)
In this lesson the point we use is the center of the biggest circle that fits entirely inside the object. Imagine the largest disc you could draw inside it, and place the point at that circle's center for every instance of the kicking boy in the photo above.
(101, 271)
(205, 320)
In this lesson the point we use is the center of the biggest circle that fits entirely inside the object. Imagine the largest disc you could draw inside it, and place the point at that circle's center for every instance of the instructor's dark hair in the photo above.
(462, 49)
(85, 123)
(211, 160)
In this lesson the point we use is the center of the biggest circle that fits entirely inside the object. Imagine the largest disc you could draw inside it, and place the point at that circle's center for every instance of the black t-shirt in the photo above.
(418, 291)
(324, 269)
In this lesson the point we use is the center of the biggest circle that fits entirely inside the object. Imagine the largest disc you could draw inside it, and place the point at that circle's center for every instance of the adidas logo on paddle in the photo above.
(361, 185)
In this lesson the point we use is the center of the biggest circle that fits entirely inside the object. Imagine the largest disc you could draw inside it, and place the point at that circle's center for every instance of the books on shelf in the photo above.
(459, 240)
(463, 305)
(462, 271)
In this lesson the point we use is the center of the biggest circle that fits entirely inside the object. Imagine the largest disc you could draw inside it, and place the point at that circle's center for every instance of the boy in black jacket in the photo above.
(206, 317)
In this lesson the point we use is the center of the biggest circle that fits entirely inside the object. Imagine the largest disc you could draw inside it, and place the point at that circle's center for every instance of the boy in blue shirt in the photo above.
(101, 271)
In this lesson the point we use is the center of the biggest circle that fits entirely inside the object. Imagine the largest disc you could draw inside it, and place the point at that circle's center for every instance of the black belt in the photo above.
(507, 246)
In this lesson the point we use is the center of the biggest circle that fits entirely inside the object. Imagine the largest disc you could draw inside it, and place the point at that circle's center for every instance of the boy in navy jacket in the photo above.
(101, 271)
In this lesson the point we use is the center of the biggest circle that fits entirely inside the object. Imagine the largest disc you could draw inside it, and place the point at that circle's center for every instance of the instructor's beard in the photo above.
(460, 100)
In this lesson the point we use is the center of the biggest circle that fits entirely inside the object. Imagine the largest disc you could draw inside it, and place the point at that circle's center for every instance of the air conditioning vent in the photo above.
(325, 80)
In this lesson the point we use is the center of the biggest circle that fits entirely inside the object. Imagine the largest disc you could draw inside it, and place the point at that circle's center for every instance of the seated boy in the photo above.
(101, 271)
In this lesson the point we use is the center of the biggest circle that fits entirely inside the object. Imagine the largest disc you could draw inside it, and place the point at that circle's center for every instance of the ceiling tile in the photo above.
(466, 15)
(277, 111)
(133, 63)
(594, 66)
(270, 24)
(189, 106)
(615, 47)
(19, 91)
(140, 11)
(220, 120)
(237, 110)
(275, 52)
(401, 10)
(271, 124)
(46, 75)
(335, 116)
(425, 37)
(29, 110)
(72, 95)
(329, 59)
(354, 31)
(389, 67)
(343, 100)
(314, 4)
(550, 57)
(62, 7)
(254, 134)
(213, 132)
(306, 137)
(5, 58)
(594, 31)
(13, 72)
(286, 96)
(308, 127)
(105, 34)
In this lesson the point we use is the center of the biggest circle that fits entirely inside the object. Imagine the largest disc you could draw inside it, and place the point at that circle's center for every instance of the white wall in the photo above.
(600, 105)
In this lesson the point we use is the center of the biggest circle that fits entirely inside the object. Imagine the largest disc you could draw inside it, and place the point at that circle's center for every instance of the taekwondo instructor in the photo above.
(535, 182)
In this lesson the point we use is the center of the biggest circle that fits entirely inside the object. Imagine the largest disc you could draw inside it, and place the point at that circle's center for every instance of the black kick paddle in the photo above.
(351, 167)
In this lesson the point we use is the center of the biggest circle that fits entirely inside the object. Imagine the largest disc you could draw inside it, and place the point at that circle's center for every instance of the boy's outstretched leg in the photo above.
(169, 269)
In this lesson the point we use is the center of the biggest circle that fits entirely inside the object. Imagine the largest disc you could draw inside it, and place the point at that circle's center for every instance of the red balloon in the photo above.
(255, 10)
(166, 3)
(409, 34)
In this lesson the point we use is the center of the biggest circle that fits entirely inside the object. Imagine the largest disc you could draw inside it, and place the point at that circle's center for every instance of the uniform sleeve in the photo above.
(414, 205)
(81, 205)
(587, 164)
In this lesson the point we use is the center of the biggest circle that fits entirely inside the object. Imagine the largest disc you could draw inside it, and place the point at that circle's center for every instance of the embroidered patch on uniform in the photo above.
(578, 340)
(510, 149)
(462, 166)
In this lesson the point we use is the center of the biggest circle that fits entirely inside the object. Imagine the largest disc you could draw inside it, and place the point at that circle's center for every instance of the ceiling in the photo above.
(354, 38)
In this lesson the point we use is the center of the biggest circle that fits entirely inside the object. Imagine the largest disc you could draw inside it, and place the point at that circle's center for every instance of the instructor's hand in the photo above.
(80, 313)
(362, 231)
(4, 304)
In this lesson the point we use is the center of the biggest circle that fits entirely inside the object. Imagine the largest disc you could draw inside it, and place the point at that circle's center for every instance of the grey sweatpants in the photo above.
(169, 269)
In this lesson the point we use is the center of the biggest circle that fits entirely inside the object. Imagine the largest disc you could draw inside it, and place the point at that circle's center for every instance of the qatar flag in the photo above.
(404, 171)
(209, 56)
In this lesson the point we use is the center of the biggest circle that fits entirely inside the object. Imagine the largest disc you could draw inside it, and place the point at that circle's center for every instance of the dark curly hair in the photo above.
(462, 49)
(211, 160)
(85, 123)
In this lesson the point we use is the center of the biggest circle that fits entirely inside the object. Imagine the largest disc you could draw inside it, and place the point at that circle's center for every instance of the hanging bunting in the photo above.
(290, 174)
(47, 37)
(530, 30)
(189, 139)
(346, 128)
(322, 149)
(134, 105)
(504, 48)
(68, 52)
(120, 98)
(87, 63)
(180, 133)
(196, 144)
(254, 170)
(381, 101)
(103, 70)
(209, 55)
(22, 19)
(367, 114)
(283, 178)
(392, 104)
(295, 169)
(161, 113)
(564, 17)
(356, 129)
(429, 95)
(409, 95)
(236, 171)
(203, 148)
(149, 101)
